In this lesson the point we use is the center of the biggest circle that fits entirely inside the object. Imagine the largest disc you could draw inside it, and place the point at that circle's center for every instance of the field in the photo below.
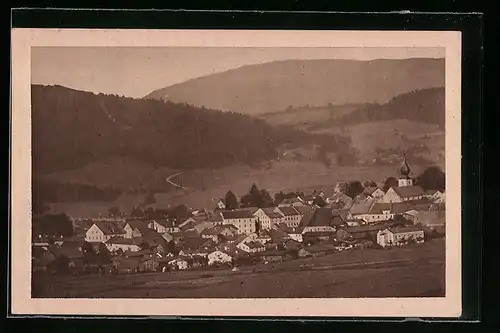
(414, 271)
(203, 188)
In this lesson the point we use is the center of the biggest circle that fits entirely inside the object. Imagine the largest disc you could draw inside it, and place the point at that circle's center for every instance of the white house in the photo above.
(251, 247)
(268, 217)
(383, 211)
(295, 233)
(162, 226)
(291, 216)
(221, 205)
(374, 192)
(121, 243)
(103, 231)
(322, 220)
(435, 196)
(399, 236)
(402, 194)
(179, 263)
(219, 257)
(244, 220)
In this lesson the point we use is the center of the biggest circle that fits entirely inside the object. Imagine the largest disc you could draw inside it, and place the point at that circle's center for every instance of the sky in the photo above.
(135, 72)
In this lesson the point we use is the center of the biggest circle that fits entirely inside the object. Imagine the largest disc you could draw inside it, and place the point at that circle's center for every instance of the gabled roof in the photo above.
(122, 240)
(110, 227)
(289, 211)
(237, 214)
(193, 243)
(409, 191)
(431, 192)
(366, 228)
(254, 245)
(306, 218)
(252, 210)
(304, 209)
(370, 189)
(167, 223)
(185, 234)
(361, 207)
(291, 230)
(68, 252)
(321, 217)
(271, 253)
(402, 230)
(394, 208)
(278, 235)
(216, 217)
(319, 248)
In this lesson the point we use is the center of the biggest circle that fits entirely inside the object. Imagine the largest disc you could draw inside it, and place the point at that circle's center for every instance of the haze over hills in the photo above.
(274, 86)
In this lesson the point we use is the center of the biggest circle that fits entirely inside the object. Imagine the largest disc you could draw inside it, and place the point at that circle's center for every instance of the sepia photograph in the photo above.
(239, 171)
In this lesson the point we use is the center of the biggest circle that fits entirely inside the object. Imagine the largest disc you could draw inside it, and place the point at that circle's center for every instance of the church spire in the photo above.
(405, 168)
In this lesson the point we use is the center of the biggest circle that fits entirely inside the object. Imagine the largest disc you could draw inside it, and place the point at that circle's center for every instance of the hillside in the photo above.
(426, 105)
(112, 142)
(411, 122)
(73, 128)
(268, 87)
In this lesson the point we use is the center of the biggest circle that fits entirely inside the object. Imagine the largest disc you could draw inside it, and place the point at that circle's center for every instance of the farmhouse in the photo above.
(360, 208)
(221, 205)
(430, 219)
(165, 225)
(219, 232)
(124, 244)
(362, 232)
(103, 231)
(244, 220)
(271, 255)
(295, 233)
(383, 212)
(251, 247)
(219, 257)
(435, 196)
(400, 236)
(403, 194)
(374, 192)
(321, 221)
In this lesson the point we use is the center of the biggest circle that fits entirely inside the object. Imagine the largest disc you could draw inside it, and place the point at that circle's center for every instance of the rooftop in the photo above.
(409, 191)
(110, 227)
(289, 211)
(237, 214)
(402, 230)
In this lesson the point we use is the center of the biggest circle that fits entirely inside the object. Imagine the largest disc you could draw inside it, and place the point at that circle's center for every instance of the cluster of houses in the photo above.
(295, 228)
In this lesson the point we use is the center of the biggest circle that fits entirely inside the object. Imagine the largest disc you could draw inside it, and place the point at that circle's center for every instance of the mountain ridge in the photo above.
(261, 88)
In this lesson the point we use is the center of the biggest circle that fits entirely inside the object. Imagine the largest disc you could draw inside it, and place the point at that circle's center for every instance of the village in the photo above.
(228, 237)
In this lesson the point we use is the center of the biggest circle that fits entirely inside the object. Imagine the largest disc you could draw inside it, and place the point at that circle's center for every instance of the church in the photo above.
(405, 191)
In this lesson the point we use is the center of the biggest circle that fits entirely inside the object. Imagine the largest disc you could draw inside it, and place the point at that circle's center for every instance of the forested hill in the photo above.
(72, 128)
(425, 105)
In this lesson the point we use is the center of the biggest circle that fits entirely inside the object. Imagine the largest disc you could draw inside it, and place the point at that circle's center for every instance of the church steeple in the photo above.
(405, 170)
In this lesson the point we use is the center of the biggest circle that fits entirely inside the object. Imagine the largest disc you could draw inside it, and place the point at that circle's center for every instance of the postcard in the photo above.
(236, 173)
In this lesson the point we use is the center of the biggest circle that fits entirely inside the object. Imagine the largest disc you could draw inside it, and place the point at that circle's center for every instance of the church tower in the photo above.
(405, 179)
